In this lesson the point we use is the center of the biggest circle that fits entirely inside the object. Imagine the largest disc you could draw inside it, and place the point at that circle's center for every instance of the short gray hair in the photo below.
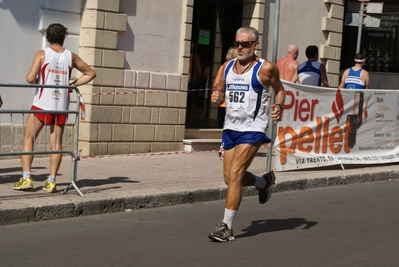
(250, 30)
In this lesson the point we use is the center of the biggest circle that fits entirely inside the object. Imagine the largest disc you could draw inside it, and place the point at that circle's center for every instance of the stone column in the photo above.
(101, 22)
(127, 111)
(330, 52)
(253, 16)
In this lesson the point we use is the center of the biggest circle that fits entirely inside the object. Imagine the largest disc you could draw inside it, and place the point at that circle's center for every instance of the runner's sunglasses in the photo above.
(243, 44)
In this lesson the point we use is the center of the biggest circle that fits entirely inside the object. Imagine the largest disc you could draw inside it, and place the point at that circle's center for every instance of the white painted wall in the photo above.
(153, 35)
(22, 35)
(300, 24)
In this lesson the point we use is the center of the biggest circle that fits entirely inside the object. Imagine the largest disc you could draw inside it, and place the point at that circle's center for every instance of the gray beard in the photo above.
(245, 57)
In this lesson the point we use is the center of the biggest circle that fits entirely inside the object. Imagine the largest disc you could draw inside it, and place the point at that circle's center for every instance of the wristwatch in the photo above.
(281, 106)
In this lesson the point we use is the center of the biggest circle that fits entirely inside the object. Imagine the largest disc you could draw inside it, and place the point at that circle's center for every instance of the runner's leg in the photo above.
(33, 126)
(236, 163)
(56, 133)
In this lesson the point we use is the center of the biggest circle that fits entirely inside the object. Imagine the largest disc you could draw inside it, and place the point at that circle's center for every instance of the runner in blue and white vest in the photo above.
(356, 77)
(245, 83)
(312, 72)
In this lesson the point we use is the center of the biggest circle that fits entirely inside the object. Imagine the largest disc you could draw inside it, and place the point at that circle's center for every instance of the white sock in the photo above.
(260, 182)
(26, 175)
(51, 179)
(229, 216)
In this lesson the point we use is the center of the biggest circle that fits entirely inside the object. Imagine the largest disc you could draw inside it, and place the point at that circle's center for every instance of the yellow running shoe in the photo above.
(23, 184)
(50, 187)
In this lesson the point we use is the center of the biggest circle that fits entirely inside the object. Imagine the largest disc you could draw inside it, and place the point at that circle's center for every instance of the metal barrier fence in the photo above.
(37, 148)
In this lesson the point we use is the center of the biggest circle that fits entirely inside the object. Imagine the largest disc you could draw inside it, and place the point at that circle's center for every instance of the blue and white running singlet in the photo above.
(309, 73)
(353, 81)
(246, 99)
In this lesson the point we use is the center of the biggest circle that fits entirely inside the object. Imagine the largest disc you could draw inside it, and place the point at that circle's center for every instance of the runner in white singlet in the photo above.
(56, 69)
(246, 100)
(244, 85)
(51, 66)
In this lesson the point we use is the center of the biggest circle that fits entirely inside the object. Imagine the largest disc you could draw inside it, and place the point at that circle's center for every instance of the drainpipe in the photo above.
(276, 27)
(271, 131)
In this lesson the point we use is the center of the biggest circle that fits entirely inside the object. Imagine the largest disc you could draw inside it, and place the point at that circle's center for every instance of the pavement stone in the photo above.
(128, 182)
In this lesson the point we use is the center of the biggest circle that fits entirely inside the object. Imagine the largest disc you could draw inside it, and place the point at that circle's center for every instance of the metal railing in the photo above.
(74, 152)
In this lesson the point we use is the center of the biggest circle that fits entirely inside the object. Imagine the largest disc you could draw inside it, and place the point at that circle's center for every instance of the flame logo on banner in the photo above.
(338, 105)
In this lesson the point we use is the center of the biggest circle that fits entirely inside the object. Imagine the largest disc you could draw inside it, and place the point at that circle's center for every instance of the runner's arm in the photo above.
(218, 95)
(323, 76)
(34, 71)
(279, 91)
(366, 79)
(88, 73)
(342, 84)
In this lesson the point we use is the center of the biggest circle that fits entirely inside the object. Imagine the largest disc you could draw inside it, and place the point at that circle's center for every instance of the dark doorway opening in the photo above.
(379, 43)
(215, 23)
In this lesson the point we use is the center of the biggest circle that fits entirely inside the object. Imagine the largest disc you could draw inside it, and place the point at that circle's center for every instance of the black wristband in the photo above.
(280, 105)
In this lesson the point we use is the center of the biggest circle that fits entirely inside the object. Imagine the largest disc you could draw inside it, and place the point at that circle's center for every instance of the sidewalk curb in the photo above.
(122, 204)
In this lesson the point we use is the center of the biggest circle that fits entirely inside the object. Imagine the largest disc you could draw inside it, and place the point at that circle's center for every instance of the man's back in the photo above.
(309, 73)
(288, 69)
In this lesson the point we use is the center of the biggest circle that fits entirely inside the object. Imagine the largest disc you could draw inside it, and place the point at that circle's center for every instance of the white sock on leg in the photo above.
(229, 216)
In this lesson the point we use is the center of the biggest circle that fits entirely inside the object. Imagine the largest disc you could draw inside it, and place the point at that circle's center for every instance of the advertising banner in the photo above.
(326, 126)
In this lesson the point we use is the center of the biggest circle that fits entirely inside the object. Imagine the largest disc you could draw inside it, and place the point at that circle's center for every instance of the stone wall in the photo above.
(128, 111)
(330, 52)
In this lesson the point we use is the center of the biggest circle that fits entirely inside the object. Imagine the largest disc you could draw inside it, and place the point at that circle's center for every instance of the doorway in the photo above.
(215, 23)
(380, 44)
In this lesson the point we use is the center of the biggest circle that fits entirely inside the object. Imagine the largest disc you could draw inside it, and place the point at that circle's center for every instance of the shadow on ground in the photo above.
(265, 226)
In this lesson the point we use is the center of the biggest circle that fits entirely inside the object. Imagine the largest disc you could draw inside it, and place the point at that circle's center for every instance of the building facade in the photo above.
(141, 101)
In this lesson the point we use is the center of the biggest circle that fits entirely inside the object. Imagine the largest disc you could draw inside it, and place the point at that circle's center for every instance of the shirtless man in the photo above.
(288, 66)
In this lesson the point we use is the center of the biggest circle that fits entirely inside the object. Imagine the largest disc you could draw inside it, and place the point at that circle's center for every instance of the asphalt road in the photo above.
(351, 225)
